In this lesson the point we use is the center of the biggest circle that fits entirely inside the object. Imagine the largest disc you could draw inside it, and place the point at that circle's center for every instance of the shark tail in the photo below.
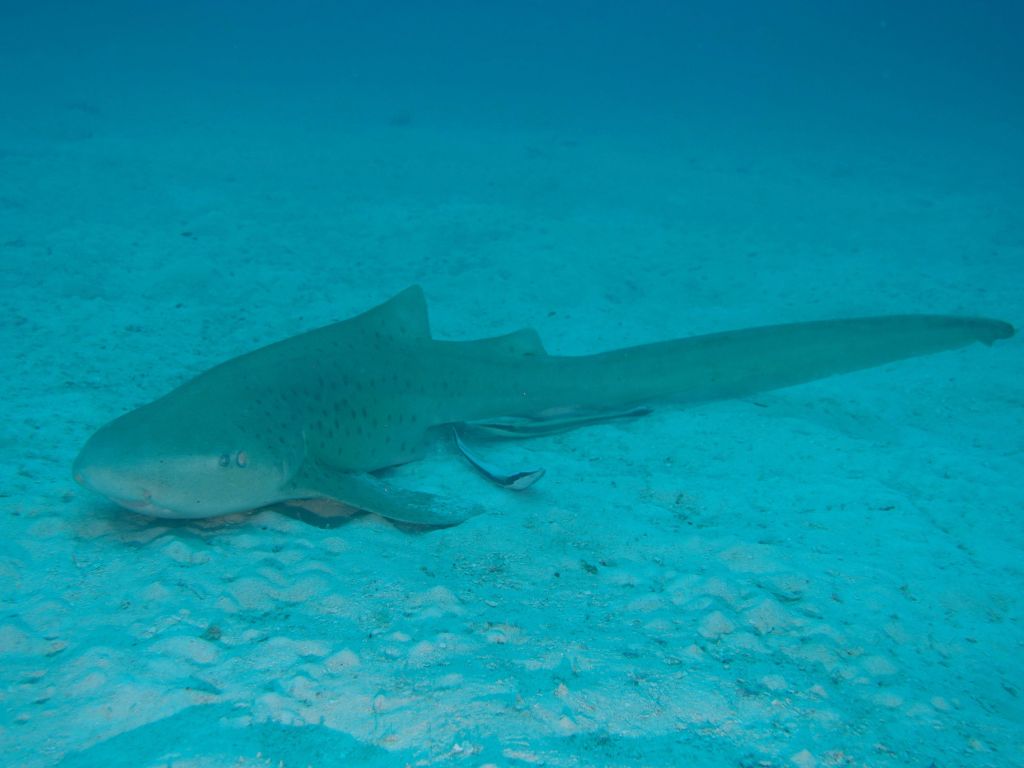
(745, 362)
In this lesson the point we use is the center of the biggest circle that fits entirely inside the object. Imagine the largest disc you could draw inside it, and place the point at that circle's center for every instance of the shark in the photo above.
(323, 414)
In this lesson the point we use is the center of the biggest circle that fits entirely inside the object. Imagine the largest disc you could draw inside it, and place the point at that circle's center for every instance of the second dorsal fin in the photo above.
(525, 341)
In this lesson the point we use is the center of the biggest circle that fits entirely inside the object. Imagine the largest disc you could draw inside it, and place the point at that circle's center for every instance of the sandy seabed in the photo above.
(823, 576)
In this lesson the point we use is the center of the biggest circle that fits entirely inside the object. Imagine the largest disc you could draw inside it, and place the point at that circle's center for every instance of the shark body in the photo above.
(316, 415)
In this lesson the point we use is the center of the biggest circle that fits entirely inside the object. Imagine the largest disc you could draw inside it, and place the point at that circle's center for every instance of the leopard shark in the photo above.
(320, 415)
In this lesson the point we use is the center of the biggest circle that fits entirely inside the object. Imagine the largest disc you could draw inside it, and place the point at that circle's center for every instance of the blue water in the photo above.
(823, 576)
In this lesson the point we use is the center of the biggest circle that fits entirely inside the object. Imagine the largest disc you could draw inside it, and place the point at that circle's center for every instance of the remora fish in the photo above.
(314, 416)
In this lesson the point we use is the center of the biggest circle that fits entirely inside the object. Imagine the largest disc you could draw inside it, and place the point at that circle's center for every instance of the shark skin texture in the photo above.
(316, 416)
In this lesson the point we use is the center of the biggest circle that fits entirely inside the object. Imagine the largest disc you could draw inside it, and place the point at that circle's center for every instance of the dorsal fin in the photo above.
(525, 341)
(403, 316)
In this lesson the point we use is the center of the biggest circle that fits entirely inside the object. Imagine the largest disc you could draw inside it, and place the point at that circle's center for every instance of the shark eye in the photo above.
(224, 460)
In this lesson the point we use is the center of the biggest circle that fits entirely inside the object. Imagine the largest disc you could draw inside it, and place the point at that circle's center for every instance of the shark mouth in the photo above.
(144, 507)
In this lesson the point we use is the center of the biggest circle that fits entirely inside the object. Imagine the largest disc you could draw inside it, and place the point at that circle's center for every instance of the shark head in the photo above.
(173, 460)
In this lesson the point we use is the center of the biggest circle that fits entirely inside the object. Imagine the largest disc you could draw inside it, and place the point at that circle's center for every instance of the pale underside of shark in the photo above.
(316, 416)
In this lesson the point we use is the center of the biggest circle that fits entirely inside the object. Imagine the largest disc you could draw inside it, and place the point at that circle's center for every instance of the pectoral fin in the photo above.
(380, 497)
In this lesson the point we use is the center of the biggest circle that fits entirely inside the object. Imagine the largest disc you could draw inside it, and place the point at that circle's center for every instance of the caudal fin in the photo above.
(744, 362)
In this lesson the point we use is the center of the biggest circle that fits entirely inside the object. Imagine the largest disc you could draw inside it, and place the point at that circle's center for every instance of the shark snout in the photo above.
(119, 488)
(94, 469)
(107, 481)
